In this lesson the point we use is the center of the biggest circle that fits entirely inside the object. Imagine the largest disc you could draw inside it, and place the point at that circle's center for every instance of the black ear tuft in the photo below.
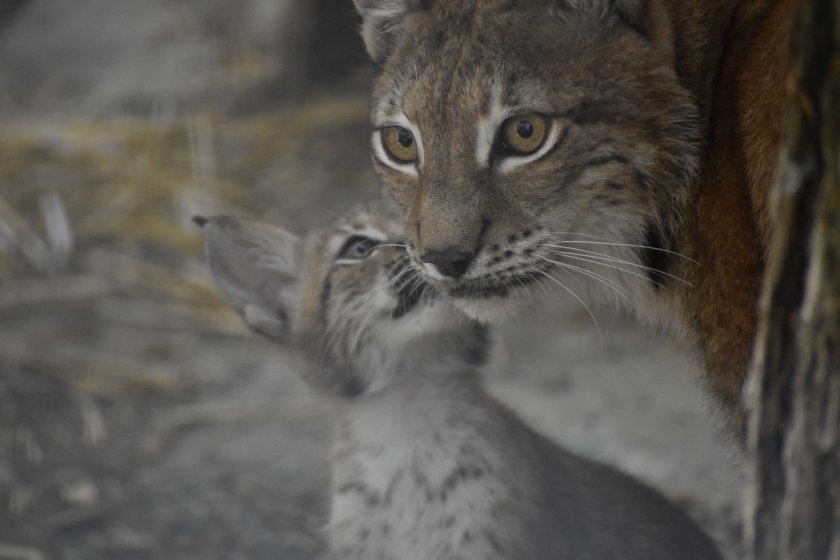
(200, 221)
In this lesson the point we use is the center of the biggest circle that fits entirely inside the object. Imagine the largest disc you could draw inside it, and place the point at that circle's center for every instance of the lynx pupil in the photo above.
(523, 134)
(399, 144)
(525, 129)
(405, 138)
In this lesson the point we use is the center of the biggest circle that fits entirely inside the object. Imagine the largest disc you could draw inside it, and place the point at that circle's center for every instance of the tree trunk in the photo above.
(793, 510)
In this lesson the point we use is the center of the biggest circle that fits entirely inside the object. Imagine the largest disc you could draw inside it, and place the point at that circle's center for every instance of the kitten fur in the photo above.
(427, 466)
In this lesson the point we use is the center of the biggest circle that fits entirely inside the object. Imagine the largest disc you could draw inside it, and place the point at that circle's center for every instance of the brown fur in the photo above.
(683, 99)
(731, 227)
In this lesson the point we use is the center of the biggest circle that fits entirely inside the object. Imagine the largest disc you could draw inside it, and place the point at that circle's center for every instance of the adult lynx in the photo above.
(426, 465)
(619, 141)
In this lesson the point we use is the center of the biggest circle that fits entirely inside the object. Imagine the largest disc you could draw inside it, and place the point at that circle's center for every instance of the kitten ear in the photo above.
(382, 25)
(256, 267)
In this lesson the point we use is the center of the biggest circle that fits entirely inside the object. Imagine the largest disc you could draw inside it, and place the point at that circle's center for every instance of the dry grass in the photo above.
(95, 217)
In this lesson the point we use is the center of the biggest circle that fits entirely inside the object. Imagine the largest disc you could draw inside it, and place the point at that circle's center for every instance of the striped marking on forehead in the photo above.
(390, 99)
(488, 126)
(391, 103)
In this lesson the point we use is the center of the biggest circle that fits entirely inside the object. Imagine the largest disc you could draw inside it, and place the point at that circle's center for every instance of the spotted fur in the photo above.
(426, 466)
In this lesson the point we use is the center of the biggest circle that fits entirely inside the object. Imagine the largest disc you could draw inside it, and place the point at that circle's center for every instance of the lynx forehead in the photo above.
(525, 139)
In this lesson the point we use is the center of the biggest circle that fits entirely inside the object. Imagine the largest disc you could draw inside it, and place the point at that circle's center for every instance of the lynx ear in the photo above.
(256, 267)
(650, 18)
(382, 25)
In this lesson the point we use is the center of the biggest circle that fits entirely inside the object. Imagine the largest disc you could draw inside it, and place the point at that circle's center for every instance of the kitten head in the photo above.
(345, 295)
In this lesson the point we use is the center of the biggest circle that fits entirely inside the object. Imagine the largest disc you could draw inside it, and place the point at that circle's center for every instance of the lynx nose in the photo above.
(449, 262)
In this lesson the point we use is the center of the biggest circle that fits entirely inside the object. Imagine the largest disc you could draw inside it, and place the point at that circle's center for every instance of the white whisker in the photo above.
(574, 295)
(418, 282)
(611, 244)
(600, 257)
(578, 234)
(525, 289)
(604, 280)
(541, 283)
(618, 268)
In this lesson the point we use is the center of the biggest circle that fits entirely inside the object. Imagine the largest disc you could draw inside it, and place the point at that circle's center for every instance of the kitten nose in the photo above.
(449, 262)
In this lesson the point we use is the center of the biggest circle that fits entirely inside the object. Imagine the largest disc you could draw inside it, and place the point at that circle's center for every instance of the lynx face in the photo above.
(346, 296)
(531, 143)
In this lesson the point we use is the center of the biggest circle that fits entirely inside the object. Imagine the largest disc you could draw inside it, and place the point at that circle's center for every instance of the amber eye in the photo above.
(399, 143)
(523, 134)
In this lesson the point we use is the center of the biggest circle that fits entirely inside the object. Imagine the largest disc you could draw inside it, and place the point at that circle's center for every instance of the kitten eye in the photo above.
(524, 134)
(399, 144)
(357, 248)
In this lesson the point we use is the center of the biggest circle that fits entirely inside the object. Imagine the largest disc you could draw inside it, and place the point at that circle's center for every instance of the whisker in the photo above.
(574, 295)
(373, 249)
(579, 234)
(611, 244)
(413, 281)
(618, 268)
(417, 280)
(522, 284)
(541, 283)
(401, 260)
(599, 256)
(606, 281)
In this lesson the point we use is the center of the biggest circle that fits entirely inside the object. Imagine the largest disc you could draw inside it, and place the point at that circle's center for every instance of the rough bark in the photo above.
(793, 510)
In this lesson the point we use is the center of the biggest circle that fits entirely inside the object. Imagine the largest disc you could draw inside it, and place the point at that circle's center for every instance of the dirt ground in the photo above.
(137, 418)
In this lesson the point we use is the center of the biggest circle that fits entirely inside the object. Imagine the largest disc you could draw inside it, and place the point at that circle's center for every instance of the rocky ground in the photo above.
(137, 418)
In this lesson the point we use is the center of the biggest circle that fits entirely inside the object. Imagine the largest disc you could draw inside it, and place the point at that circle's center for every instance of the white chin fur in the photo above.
(494, 309)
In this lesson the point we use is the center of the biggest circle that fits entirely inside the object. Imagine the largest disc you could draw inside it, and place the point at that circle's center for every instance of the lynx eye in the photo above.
(357, 248)
(399, 144)
(524, 134)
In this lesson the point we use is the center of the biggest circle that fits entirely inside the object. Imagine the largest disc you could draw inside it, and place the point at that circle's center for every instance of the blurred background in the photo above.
(138, 419)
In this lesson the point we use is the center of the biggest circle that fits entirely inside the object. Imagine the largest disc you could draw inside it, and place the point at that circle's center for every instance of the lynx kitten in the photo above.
(426, 465)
